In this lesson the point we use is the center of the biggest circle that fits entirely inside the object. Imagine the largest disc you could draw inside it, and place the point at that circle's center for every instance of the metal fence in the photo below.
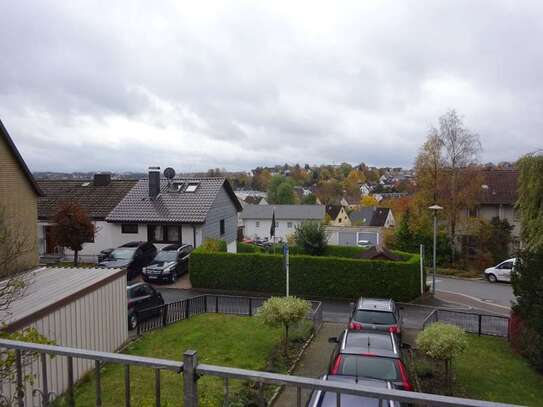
(159, 317)
(37, 392)
(480, 324)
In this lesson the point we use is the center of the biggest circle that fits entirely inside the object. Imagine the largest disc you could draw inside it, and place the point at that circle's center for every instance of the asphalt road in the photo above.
(481, 290)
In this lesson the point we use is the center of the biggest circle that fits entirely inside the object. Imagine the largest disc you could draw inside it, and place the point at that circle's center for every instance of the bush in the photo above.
(213, 245)
(284, 311)
(311, 237)
(249, 248)
(310, 276)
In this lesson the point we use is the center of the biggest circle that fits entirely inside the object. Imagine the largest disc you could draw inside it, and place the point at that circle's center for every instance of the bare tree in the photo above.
(447, 171)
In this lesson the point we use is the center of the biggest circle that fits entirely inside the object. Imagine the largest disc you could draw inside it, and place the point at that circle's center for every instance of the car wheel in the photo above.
(132, 321)
(491, 278)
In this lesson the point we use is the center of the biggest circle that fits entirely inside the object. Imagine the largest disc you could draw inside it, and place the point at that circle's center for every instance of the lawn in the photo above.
(225, 340)
(489, 370)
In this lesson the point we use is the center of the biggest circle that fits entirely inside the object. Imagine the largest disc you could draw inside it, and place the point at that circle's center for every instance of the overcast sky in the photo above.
(121, 85)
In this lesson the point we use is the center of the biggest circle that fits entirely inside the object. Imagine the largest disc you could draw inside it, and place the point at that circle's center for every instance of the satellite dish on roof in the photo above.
(169, 173)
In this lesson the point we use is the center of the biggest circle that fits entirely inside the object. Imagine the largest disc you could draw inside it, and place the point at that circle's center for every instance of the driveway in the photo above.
(479, 292)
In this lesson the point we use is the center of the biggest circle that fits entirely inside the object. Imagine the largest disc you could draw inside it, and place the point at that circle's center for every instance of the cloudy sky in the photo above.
(121, 85)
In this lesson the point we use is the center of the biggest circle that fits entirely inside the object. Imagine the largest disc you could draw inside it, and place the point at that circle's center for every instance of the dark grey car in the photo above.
(169, 263)
(376, 314)
(329, 399)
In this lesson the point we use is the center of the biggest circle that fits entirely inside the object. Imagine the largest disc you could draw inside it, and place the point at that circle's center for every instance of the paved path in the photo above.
(314, 363)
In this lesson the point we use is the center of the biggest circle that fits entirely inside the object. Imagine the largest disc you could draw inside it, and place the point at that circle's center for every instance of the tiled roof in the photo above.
(97, 201)
(170, 206)
(11, 145)
(370, 216)
(305, 212)
(501, 187)
(253, 200)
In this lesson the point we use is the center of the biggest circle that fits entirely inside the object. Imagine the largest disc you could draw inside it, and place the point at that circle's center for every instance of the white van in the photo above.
(501, 272)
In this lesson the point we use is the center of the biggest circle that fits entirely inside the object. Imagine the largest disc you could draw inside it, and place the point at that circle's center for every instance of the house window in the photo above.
(289, 225)
(257, 224)
(191, 187)
(472, 212)
(129, 228)
(222, 227)
(339, 220)
(163, 233)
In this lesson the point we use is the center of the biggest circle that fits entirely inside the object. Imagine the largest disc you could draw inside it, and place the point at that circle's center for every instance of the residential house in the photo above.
(336, 215)
(19, 195)
(496, 198)
(257, 219)
(254, 200)
(366, 188)
(351, 202)
(367, 227)
(97, 197)
(188, 210)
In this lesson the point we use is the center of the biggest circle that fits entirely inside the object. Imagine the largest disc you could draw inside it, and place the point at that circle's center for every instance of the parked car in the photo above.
(364, 244)
(500, 272)
(170, 262)
(329, 399)
(142, 297)
(104, 254)
(376, 314)
(370, 355)
(133, 256)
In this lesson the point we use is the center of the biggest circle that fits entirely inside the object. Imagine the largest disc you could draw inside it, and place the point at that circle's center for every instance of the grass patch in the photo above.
(487, 370)
(225, 340)
(457, 272)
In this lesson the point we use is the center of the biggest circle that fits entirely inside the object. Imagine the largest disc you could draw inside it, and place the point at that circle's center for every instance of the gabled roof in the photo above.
(499, 186)
(370, 216)
(11, 145)
(302, 212)
(171, 206)
(333, 211)
(97, 201)
(374, 253)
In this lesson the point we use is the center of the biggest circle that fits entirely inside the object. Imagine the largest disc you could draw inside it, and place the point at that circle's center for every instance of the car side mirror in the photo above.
(333, 339)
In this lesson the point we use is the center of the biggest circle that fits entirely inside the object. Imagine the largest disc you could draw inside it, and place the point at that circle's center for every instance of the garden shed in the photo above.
(73, 307)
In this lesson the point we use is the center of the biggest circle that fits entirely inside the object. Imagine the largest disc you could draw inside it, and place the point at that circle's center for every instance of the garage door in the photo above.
(347, 238)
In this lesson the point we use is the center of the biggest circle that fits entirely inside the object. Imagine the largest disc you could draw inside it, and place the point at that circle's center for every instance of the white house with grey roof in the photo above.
(257, 219)
(188, 210)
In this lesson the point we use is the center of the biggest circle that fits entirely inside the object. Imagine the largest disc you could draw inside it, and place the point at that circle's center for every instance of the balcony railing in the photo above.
(191, 371)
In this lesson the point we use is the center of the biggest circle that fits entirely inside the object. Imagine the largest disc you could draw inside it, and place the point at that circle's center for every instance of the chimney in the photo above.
(102, 180)
(154, 182)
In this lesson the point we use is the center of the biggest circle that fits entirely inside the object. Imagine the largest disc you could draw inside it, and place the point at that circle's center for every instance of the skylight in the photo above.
(191, 187)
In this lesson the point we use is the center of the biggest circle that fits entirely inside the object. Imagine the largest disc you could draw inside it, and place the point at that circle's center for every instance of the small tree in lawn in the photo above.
(311, 237)
(284, 311)
(442, 342)
(72, 227)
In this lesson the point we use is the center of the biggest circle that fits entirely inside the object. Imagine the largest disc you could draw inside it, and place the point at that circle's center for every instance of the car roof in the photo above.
(330, 400)
(375, 304)
(175, 246)
(377, 343)
(131, 286)
(131, 244)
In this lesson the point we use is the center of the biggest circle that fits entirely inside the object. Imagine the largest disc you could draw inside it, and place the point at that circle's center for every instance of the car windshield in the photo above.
(330, 399)
(123, 253)
(373, 367)
(165, 256)
(374, 317)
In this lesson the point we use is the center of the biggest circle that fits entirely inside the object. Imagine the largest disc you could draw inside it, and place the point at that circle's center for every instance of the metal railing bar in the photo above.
(71, 398)
(225, 392)
(157, 387)
(298, 396)
(98, 383)
(127, 385)
(45, 385)
(19, 380)
(338, 399)
(94, 355)
(346, 388)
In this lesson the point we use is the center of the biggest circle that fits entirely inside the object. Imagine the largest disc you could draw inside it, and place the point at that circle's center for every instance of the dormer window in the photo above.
(177, 186)
(192, 186)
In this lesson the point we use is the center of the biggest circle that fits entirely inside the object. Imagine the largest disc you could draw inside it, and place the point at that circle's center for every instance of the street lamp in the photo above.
(434, 208)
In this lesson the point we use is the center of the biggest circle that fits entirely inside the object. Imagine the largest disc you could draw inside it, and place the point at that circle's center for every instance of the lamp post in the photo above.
(434, 209)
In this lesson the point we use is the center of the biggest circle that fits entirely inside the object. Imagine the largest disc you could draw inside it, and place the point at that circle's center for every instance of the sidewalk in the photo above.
(314, 363)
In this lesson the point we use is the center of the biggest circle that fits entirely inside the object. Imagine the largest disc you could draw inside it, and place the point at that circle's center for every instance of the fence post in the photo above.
(205, 303)
(190, 384)
(164, 315)
(250, 307)
(216, 303)
(480, 320)
(187, 310)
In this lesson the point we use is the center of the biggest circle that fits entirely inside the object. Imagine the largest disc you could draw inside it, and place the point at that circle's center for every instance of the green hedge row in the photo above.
(310, 276)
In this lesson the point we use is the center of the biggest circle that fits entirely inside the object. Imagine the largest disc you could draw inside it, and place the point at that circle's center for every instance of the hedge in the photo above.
(310, 276)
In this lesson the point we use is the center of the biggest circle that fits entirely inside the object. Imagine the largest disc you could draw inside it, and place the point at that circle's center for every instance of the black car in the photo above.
(170, 262)
(133, 256)
(142, 298)
(370, 355)
(329, 399)
(376, 314)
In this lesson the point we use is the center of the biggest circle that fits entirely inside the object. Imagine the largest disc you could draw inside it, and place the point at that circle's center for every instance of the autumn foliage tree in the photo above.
(72, 227)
